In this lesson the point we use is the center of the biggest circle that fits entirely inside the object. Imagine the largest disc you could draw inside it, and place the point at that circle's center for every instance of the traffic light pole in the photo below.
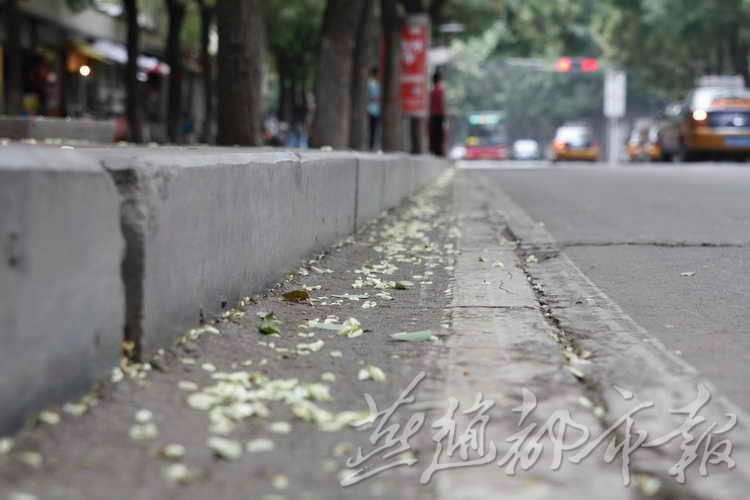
(615, 101)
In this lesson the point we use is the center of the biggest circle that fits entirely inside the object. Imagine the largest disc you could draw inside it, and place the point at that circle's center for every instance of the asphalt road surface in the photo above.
(635, 229)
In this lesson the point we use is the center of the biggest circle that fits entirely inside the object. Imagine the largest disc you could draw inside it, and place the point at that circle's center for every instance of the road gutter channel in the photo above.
(620, 353)
(501, 345)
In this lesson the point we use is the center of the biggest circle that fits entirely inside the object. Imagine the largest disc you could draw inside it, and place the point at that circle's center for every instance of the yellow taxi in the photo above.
(574, 142)
(638, 142)
(713, 121)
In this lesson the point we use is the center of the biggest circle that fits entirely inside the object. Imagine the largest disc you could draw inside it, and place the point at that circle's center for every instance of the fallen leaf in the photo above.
(179, 473)
(280, 427)
(371, 372)
(172, 451)
(224, 448)
(143, 416)
(280, 482)
(297, 296)
(6, 445)
(31, 458)
(260, 445)
(351, 328)
(269, 324)
(420, 336)
(403, 285)
(187, 386)
(75, 409)
(49, 418)
(144, 432)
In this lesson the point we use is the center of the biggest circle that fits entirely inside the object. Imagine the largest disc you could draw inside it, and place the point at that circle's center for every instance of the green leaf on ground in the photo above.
(403, 285)
(269, 324)
(421, 336)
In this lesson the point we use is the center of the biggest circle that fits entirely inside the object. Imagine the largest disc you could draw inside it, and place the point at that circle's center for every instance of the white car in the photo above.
(526, 149)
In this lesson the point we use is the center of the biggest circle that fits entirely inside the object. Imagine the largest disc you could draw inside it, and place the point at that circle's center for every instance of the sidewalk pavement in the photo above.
(232, 412)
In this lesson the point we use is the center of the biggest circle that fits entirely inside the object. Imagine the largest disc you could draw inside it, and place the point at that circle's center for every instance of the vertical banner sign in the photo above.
(615, 94)
(415, 43)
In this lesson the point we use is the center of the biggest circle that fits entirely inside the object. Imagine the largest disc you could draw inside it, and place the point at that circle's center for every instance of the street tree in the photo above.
(391, 71)
(332, 120)
(176, 10)
(207, 13)
(13, 89)
(293, 30)
(132, 105)
(240, 71)
(363, 61)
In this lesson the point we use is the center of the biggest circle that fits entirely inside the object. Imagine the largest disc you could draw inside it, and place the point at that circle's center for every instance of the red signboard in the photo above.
(415, 42)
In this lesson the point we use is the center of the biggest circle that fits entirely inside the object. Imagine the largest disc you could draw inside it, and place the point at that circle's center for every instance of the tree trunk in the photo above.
(336, 60)
(360, 74)
(176, 12)
(133, 111)
(13, 56)
(207, 14)
(391, 98)
(286, 95)
(240, 72)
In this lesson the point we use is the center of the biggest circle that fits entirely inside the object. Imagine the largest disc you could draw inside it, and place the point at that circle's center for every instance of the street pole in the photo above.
(615, 105)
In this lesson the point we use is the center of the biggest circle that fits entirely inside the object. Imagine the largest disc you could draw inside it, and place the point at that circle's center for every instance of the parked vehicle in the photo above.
(638, 142)
(575, 142)
(713, 121)
(526, 149)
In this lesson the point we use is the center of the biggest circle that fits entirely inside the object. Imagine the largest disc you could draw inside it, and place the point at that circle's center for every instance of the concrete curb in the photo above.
(43, 128)
(202, 227)
(61, 298)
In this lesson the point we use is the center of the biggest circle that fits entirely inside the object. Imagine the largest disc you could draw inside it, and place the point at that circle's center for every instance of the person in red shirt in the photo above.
(437, 115)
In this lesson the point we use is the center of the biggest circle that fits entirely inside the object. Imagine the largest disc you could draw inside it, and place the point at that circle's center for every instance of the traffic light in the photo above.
(589, 65)
(564, 64)
(578, 65)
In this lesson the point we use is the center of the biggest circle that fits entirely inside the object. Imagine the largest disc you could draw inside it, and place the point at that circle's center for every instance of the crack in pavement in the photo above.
(572, 351)
(655, 244)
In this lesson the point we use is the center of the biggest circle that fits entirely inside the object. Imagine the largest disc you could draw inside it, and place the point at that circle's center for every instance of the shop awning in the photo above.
(89, 51)
(119, 54)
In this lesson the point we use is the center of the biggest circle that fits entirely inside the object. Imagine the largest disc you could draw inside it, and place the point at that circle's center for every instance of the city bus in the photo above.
(487, 136)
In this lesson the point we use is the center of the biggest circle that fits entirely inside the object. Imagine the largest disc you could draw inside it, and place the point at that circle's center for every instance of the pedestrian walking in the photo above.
(437, 115)
(373, 105)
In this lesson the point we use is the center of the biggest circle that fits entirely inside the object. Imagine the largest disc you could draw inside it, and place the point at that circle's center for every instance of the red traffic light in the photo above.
(564, 64)
(589, 65)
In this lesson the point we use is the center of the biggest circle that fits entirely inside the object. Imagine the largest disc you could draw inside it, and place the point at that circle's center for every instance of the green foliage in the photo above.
(78, 5)
(292, 29)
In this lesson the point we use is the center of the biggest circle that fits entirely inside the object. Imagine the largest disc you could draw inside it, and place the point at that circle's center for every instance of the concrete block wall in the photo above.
(151, 239)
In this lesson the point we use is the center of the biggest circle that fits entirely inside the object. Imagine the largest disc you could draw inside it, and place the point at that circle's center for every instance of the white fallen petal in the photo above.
(6, 445)
(280, 427)
(280, 482)
(225, 448)
(260, 445)
(173, 451)
(143, 432)
(75, 409)
(187, 386)
(143, 416)
(49, 418)
(31, 458)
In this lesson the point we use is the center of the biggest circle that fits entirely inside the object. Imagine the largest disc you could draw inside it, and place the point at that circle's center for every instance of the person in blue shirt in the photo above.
(373, 105)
